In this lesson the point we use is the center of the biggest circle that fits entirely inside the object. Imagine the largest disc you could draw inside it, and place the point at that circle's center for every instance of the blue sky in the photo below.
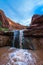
(21, 11)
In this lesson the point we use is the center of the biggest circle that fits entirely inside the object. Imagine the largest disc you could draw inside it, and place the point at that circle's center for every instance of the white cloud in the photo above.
(28, 8)
(26, 21)
(25, 9)
(40, 2)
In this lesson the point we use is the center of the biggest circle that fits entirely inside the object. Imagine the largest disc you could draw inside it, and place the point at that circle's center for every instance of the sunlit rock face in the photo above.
(6, 22)
(15, 26)
(34, 33)
(3, 20)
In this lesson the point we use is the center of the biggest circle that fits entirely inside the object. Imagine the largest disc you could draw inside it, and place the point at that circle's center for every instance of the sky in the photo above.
(21, 11)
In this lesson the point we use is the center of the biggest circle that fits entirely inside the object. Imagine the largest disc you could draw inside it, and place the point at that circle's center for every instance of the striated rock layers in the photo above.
(34, 33)
(36, 26)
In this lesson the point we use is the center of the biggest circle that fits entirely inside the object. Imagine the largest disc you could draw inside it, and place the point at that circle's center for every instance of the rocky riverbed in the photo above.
(14, 56)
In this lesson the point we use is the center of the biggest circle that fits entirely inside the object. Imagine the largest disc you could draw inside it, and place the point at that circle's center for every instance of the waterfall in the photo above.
(20, 38)
(12, 40)
(17, 38)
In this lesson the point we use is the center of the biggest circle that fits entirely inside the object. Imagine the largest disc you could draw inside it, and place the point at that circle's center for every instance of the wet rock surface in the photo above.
(13, 56)
(4, 41)
(6, 38)
(33, 43)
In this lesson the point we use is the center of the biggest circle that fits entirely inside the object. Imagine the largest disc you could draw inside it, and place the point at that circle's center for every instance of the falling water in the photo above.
(17, 38)
(20, 38)
(19, 41)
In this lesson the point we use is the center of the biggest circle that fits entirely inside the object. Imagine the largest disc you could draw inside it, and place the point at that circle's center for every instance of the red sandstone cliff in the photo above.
(36, 27)
(8, 23)
(14, 25)
(3, 20)
(34, 33)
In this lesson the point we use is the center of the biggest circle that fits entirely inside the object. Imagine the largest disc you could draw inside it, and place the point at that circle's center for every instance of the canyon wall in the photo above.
(6, 38)
(33, 35)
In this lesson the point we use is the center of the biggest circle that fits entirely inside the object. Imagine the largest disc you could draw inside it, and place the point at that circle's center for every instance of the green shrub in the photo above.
(3, 29)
